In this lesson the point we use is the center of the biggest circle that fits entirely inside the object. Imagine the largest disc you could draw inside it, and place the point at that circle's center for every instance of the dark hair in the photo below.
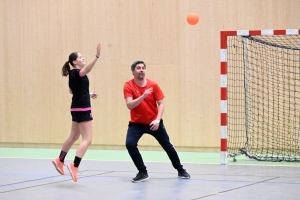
(66, 68)
(136, 63)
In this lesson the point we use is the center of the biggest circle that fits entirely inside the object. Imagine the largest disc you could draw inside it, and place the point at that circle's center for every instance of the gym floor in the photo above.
(27, 173)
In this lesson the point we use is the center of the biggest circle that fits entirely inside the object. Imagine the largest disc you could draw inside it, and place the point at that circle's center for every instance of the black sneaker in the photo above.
(141, 176)
(183, 174)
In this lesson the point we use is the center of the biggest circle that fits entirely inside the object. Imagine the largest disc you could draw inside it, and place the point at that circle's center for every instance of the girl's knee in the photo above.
(89, 141)
(73, 138)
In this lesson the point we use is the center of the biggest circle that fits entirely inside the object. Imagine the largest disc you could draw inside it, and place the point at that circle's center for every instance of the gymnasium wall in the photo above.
(36, 38)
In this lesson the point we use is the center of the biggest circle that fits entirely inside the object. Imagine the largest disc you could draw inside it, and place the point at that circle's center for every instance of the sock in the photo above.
(62, 156)
(77, 161)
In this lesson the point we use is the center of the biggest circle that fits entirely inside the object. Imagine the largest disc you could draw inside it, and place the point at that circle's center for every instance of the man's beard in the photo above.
(141, 76)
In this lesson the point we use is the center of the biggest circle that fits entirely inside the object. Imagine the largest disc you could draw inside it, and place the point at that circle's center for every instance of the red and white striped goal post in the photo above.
(223, 78)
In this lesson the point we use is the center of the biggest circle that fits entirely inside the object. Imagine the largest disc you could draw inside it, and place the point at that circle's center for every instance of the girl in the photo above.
(80, 110)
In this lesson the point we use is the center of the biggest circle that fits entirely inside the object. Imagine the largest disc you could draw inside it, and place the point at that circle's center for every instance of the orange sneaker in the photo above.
(73, 171)
(59, 166)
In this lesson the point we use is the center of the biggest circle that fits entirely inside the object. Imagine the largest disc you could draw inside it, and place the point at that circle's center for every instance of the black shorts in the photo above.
(81, 116)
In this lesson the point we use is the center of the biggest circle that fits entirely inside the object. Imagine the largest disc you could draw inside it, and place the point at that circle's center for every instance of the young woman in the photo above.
(81, 110)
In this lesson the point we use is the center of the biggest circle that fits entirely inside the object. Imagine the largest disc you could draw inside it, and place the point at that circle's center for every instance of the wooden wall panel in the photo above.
(2, 76)
(37, 37)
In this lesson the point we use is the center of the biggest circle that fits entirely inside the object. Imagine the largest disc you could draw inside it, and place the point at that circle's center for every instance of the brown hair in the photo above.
(66, 68)
(136, 63)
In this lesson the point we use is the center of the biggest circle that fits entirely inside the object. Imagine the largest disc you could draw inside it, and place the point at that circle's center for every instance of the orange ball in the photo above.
(192, 18)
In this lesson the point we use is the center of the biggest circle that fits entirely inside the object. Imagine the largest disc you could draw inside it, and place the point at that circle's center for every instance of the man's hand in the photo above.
(148, 91)
(154, 125)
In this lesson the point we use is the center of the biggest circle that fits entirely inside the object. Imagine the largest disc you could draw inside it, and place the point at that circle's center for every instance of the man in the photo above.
(144, 99)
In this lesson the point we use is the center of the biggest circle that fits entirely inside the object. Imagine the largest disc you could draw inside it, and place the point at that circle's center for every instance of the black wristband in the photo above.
(97, 56)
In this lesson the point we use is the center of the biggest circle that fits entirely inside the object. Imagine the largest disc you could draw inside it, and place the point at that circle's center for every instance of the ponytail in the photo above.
(65, 69)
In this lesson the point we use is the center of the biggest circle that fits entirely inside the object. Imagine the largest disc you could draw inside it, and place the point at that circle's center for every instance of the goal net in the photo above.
(263, 95)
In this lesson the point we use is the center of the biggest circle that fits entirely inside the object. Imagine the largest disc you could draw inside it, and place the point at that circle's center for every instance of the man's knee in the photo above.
(130, 145)
(168, 147)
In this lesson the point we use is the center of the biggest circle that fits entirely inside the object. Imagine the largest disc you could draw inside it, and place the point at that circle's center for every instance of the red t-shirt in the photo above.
(147, 110)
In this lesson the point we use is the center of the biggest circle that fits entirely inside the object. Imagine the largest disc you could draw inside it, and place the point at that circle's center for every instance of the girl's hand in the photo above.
(98, 50)
(93, 95)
